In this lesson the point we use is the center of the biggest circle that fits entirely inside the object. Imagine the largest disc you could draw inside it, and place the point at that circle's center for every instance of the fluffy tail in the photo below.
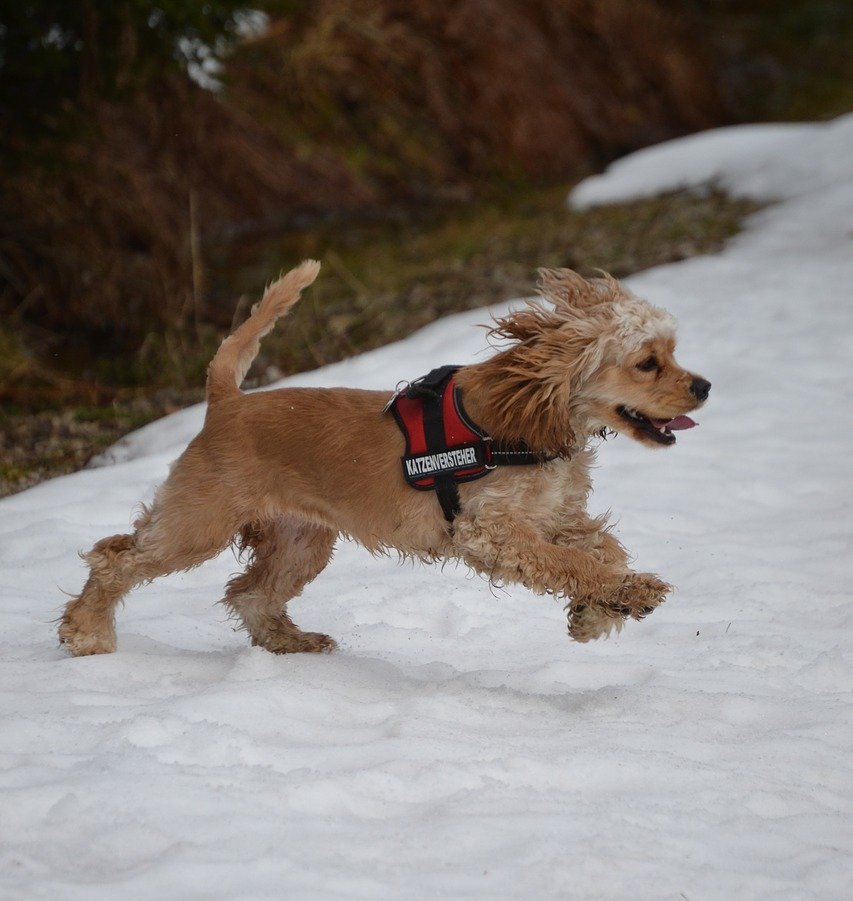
(236, 353)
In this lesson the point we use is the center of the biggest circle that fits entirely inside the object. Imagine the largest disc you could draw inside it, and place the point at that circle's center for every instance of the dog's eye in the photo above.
(648, 365)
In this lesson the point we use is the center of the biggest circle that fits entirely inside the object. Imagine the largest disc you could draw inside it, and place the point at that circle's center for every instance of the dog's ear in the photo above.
(565, 288)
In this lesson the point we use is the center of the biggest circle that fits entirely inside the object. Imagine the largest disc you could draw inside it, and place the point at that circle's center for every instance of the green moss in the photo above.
(12, 472)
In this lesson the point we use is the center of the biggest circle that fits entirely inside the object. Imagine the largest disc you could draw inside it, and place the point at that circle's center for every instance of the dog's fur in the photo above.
(282, 473)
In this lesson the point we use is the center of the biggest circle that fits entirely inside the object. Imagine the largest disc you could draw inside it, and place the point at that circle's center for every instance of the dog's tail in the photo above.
(236, 353)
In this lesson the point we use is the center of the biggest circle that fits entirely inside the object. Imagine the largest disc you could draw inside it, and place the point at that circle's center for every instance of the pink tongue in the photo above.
(674, 425)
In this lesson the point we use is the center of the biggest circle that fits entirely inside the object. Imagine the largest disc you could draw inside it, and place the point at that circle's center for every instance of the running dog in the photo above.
(281, 474)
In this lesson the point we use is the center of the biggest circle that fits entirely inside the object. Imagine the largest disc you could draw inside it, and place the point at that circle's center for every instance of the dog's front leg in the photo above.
(638, 594)
(509, 550)
(601, 591)
(593, 535)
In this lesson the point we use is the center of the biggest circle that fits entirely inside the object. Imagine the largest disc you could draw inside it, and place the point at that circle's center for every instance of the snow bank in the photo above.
(458, 745)
(760, 161)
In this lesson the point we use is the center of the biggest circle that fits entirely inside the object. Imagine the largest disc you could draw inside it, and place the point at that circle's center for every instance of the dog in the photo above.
(281, 474)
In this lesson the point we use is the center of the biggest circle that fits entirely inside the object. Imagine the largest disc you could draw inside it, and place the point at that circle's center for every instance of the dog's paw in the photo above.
(587, 623)
(84, 644)
(317, 643)
(638, 595)
(295, 641)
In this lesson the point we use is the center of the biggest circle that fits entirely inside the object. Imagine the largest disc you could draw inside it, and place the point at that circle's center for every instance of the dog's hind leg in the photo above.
(286, 554)
(188, 523)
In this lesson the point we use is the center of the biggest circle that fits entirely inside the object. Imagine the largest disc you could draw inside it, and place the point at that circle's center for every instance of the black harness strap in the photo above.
(429, 389)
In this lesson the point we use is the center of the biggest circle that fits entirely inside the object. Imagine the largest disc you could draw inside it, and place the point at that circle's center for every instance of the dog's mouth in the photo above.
(659, 430)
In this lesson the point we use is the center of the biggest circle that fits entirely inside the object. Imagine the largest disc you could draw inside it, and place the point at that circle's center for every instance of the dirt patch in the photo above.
(35, 446)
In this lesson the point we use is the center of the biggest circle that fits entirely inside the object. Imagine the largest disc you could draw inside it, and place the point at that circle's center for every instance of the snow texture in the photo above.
(459, 746)
(761, 161)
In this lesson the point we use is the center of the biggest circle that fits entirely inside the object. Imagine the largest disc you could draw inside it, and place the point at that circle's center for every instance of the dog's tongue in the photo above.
(674, 425)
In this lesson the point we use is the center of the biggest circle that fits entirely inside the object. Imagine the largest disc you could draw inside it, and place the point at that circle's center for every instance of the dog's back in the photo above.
(327, 455)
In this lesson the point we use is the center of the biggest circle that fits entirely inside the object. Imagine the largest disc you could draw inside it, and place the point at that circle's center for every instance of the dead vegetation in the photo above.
(340, 111)
(406, 144)
(379, 284)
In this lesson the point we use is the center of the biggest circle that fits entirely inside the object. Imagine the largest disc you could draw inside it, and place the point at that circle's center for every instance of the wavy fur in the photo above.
(289, 471)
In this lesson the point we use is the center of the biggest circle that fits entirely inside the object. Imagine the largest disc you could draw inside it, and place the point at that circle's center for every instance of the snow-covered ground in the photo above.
(459, 745)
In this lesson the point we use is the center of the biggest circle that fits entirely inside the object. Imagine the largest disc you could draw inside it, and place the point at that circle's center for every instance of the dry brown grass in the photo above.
(379, 284)
(343, 108)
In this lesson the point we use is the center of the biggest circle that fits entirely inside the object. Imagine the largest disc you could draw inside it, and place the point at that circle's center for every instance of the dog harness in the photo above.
(443, 446)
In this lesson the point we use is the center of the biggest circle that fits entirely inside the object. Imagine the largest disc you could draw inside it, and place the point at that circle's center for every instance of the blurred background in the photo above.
(161, 161)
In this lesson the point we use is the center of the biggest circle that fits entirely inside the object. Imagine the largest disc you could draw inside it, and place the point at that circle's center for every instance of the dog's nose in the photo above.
(700, 388)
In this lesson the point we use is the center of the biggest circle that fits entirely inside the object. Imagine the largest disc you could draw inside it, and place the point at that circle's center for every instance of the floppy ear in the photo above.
(566, 289)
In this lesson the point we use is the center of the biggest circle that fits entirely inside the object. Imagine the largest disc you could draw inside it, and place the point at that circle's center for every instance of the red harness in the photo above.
(443, 446)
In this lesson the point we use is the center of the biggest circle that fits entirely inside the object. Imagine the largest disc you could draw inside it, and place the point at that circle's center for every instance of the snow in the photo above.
(458, 745)
(761, 161)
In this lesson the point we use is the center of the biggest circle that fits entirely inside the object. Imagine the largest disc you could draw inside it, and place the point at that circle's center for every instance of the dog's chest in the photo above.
(538, 495)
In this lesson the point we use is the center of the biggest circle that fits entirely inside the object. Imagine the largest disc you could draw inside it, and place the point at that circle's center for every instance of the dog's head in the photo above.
(604, 359)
